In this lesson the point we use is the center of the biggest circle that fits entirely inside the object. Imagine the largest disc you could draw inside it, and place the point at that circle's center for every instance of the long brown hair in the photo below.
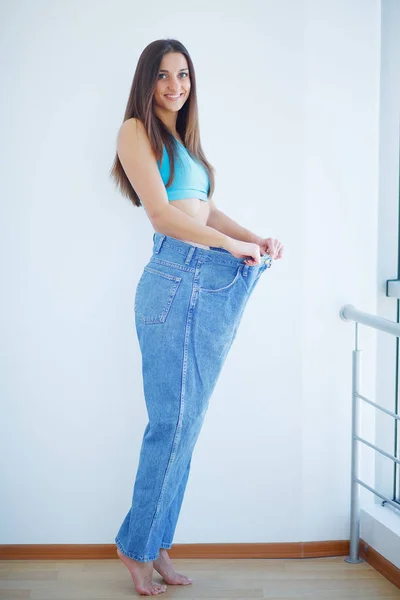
(140, 106)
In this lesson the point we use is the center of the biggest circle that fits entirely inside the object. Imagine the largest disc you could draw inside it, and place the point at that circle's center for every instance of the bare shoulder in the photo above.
(132, 130)
(132, 124)
(140, 165)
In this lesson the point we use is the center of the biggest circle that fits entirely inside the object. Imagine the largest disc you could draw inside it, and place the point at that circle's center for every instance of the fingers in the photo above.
(274, 248)
(251, 261)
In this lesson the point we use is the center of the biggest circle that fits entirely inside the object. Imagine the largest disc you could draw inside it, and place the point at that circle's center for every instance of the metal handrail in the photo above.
(350, 313)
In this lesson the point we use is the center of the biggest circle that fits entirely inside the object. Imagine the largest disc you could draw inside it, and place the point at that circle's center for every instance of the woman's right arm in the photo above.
(140, 165)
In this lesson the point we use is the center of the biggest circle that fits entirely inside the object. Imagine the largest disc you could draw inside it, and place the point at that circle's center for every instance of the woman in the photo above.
(189, 300)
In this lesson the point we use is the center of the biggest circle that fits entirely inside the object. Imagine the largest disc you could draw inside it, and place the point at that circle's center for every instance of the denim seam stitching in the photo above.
(180, 416)
(238, 274)
(166, 275)
(161, 318)
(217, 258)
(172, 264)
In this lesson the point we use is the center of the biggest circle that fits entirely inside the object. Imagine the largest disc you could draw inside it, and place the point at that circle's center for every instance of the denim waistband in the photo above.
(189, 251)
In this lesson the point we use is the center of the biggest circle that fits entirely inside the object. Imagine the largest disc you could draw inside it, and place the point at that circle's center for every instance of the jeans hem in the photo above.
(133, 555)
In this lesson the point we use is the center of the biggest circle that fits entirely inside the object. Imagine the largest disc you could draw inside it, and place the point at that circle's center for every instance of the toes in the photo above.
(184, 579)
(158, 589)
(153, 591)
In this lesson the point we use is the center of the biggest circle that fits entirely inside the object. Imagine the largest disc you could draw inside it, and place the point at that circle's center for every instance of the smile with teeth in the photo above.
(173, 97)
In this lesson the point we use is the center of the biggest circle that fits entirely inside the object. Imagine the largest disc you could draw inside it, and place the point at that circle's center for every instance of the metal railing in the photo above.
(350, 313)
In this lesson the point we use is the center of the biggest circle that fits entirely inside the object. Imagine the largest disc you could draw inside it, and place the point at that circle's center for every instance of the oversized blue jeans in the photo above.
(188, 305)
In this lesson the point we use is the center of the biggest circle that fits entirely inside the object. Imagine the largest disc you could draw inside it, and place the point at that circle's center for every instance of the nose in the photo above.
(174, 85)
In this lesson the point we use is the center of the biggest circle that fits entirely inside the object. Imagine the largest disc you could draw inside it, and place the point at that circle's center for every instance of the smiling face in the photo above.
(173, 85)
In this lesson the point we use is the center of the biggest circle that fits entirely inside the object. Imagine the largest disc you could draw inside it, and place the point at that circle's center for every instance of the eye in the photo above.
(164, 74)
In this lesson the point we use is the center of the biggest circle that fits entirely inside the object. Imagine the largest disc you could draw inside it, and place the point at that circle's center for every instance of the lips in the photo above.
(173, 96)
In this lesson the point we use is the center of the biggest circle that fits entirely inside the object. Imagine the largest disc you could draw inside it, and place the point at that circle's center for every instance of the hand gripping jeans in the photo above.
(188, 305)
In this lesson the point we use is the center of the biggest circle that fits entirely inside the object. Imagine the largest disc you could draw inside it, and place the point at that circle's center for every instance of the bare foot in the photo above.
(163, 565)
(141, 573)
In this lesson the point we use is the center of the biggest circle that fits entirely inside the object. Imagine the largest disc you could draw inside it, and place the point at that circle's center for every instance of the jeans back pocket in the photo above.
(155, 293)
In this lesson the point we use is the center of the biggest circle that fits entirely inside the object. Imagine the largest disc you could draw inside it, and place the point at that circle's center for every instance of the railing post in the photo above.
(355, 489)
(349, 313)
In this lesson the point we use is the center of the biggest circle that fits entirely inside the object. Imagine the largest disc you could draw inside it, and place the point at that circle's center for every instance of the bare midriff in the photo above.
(196, 208)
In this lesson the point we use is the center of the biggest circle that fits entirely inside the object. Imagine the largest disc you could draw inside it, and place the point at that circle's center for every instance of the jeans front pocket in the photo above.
(217, 278)
(155, 293)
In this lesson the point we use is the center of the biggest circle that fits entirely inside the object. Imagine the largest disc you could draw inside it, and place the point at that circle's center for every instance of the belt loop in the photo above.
(189, 255)
(159, 242)
(245, 269)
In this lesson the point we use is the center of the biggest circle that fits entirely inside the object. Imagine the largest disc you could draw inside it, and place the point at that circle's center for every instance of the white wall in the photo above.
(288, 105)
(340, 229)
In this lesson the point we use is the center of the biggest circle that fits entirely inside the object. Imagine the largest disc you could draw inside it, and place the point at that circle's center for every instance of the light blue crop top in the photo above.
(190, 178)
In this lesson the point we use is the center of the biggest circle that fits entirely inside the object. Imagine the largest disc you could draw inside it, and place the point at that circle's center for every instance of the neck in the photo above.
(168, 118)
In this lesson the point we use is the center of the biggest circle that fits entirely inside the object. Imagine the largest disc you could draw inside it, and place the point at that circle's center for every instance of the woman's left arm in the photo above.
(220, 221)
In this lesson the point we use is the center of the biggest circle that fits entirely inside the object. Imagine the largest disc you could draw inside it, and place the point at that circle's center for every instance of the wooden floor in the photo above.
(283, 579)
